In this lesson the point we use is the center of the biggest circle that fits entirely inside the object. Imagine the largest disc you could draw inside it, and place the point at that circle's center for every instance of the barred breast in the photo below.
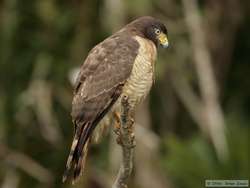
(137, 86)
(139, 83)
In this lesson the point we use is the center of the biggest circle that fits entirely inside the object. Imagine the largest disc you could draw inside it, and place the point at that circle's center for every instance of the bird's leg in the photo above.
(117, 124)
(117, 127)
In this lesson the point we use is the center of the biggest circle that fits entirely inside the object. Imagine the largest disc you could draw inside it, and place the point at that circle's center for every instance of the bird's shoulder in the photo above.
(113, 56)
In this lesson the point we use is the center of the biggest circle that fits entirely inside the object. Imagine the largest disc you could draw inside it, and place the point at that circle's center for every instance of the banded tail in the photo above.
(78, 154)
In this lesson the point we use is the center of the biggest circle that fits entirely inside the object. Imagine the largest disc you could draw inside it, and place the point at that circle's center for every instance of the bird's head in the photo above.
(152, 29)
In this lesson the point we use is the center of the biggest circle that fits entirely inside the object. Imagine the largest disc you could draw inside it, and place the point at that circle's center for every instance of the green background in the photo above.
(42, 41)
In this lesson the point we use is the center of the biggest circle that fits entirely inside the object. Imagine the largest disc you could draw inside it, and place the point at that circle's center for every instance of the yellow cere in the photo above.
(163, 39)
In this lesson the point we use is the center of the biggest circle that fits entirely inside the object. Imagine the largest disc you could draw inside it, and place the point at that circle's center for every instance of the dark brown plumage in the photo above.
(101, 82)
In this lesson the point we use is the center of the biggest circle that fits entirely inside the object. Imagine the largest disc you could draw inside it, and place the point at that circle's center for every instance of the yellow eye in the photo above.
(157, 31)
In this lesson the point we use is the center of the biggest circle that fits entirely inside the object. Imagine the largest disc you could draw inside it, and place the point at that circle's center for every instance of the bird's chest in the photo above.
(141, 79)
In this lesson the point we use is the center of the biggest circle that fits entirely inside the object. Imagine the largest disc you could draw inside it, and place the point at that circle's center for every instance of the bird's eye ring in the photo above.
(157, 31)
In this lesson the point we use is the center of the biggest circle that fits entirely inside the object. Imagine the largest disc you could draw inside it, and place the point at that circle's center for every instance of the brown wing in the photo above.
(106, 68)
(98, 86)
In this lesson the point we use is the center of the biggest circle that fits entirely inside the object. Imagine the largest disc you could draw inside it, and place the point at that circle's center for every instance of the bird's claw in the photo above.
(131, 142)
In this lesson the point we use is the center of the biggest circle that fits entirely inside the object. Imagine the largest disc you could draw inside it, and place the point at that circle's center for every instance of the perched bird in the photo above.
(123, 64)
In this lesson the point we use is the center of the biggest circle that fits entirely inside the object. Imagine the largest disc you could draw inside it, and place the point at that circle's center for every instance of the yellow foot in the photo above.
(117, 124)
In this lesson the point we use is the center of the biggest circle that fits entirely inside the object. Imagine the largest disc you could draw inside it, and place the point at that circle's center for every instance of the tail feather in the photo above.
(79, 168)
(80, 145)
(78, 153)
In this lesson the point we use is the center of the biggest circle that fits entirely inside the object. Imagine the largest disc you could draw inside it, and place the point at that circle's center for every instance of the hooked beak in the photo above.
(163, 40)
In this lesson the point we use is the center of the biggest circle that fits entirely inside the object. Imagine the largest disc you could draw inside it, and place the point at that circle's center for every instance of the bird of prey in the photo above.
(122, 64)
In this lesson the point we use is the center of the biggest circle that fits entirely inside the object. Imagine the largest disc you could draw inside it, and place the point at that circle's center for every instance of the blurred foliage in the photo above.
(191, 162)
(41, 41)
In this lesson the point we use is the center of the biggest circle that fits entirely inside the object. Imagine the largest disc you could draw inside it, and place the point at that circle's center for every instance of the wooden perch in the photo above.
(126, 140)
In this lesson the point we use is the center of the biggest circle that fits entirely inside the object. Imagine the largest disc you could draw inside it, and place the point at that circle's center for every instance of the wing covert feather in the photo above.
(107, 66)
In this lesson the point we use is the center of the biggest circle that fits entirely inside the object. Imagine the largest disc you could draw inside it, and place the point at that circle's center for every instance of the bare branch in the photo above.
(127, 142)
(212, 110)
(189, 99)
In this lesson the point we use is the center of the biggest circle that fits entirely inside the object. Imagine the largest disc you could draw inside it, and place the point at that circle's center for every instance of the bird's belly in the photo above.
(141, 78)
(139, 83)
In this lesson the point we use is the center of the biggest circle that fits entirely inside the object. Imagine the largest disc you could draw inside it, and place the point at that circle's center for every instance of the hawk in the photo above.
(123, 64)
